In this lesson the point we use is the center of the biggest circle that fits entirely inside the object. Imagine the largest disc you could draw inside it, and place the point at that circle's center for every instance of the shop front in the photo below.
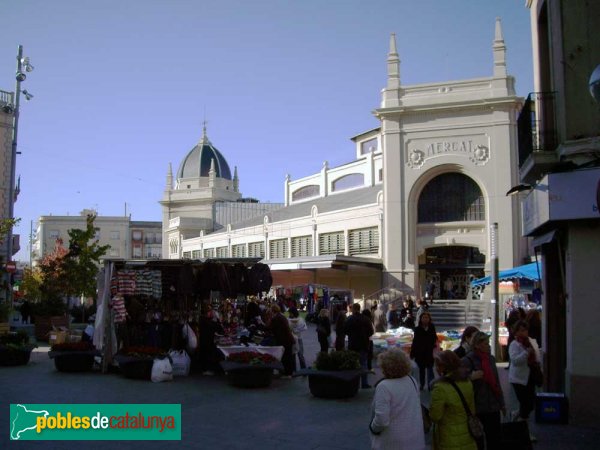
(561, 214)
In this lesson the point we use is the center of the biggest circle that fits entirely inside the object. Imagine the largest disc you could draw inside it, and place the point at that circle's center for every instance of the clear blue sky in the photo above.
(122, 87)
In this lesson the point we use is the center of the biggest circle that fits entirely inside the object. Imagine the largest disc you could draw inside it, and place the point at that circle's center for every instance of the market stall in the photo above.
(402, 338)
(529, 271)
(161, 303)
(518, 287)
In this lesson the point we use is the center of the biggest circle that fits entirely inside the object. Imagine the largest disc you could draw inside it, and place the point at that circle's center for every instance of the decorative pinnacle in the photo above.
(499, 50)
(393, 65)
(393, 48)
(498, 35)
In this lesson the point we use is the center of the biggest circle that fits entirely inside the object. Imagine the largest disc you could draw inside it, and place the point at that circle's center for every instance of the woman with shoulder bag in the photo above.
(448, 412)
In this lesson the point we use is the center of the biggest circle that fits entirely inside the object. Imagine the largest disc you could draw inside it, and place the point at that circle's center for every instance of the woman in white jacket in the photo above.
(396, 422)
(298, 326)
(524, 353)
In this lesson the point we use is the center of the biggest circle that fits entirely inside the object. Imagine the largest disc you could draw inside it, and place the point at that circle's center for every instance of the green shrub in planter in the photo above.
(15, 349)
(18, 339)
(339, 360)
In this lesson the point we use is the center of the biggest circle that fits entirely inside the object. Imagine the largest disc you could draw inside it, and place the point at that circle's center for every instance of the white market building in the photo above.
(416, 203)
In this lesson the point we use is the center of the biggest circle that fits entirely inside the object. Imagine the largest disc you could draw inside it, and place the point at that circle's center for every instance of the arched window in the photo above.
(348, 182)
(309, 191)
(451, 197)
(174, 246)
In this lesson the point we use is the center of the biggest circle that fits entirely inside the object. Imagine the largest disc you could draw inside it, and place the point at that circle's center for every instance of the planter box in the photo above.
(250, 375)
(332, 384)
(73, 361)
(11, 357)
(135, 367)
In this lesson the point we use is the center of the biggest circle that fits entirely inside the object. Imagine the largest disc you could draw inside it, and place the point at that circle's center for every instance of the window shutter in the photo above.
(302, 246)
(331, 243)
(256, 249)
(279, 248)
(238, 251)
(364, 241)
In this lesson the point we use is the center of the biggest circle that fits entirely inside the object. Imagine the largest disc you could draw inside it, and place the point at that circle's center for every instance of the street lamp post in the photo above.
(22, 64)
(495, 287)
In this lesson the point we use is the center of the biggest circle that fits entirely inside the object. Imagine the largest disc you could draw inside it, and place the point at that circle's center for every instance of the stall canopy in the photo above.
(529, 271)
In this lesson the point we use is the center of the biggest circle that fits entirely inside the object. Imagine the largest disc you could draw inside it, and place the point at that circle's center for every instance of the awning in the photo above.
(322, 262)
(529, 271)
(544, 239)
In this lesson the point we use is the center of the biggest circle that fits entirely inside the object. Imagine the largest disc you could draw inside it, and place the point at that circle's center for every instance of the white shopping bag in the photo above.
(191, 341)
(161, 370)
(181, 363)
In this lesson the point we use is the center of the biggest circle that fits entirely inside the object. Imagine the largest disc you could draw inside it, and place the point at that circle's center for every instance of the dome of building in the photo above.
(198, 160)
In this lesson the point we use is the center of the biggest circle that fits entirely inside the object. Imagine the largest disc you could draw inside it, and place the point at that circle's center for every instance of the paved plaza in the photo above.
(216, 415)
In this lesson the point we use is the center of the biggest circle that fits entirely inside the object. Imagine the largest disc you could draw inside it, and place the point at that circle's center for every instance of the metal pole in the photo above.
(13, 162)
(495, 290)
(13, 169)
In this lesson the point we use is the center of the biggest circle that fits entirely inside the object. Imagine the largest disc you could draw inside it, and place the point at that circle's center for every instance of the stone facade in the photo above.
(460, 136)
(465, 127)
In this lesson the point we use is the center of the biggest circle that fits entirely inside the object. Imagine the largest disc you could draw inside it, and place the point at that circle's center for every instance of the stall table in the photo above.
(275, 351)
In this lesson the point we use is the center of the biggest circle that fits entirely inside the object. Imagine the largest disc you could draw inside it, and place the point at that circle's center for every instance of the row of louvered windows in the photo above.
(363, 241)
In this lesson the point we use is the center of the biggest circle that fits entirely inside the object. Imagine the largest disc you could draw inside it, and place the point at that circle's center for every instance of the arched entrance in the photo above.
(448, 270)
(449, 201)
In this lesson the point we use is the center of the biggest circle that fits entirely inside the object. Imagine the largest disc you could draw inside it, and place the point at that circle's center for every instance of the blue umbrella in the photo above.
(529, 271)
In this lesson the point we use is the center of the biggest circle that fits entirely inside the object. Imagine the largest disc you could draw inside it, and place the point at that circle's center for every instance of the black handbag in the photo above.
(536, 374)
(515, 436)
(424, 411)
(474, 424)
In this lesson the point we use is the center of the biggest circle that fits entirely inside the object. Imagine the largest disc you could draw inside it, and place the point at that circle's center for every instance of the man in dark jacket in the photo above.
(282, 334)
(359, 328)
(208, 354)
